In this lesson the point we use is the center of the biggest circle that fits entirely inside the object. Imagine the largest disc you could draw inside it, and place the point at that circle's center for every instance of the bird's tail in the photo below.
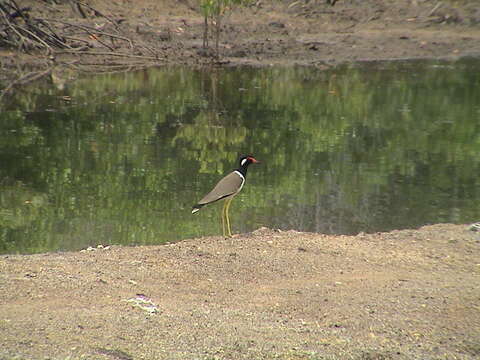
(197, 207)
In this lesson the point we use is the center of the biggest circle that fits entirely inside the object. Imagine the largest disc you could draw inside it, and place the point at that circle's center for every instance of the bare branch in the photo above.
(119, 54)
(92, 29)
(113, 22)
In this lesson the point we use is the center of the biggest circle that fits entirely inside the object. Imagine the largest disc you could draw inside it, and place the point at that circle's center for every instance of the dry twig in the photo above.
(90, 30)
(106, 53)
(113, 22)
(19, 29)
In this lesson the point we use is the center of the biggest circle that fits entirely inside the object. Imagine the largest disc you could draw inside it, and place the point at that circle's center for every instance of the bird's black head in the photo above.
(247, 160)
(244, 162)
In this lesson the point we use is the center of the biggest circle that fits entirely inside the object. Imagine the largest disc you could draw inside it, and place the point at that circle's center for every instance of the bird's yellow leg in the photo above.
(226, 215)
(223, 218)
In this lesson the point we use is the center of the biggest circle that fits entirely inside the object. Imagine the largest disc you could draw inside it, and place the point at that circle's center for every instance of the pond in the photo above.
(121, 158)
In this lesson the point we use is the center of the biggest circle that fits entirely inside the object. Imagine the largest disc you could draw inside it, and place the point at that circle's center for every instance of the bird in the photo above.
(226, 189)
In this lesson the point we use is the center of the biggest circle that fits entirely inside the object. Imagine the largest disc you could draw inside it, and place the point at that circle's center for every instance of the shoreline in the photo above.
(278, 33)
(408, 294)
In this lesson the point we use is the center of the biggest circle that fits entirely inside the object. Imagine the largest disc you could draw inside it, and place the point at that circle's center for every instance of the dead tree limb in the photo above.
(106, 53)
(89, 29)
(97, 12)
(25, 32)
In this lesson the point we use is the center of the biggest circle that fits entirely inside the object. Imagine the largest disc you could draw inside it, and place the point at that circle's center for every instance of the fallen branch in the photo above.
(113, 22)
(93, 32)
(24, 32)
(89, 29)
(435, 8)
(119, 66)
(106, 53)
(19, 29)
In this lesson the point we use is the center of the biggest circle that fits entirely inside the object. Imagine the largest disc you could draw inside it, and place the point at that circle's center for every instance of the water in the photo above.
(120, 159)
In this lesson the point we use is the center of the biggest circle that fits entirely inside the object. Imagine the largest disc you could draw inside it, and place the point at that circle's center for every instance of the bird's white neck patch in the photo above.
(243, 180)
(243, 162)
(240, 174)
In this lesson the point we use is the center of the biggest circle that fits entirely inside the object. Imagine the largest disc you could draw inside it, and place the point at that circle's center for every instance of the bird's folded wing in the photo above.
(229, 185)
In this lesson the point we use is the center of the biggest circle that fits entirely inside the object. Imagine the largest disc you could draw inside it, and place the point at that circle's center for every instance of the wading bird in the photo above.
(226, 189)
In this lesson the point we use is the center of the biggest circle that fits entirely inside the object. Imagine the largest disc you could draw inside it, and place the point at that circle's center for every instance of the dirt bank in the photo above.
(123, 35)
(409, 294)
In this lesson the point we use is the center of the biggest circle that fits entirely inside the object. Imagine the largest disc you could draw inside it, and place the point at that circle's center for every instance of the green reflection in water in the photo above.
(120, 159)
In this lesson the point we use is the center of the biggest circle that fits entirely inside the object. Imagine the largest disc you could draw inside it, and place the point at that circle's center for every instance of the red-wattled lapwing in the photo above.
(226, 189)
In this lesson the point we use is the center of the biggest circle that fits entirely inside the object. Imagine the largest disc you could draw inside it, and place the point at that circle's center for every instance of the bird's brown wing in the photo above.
(228, 186)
